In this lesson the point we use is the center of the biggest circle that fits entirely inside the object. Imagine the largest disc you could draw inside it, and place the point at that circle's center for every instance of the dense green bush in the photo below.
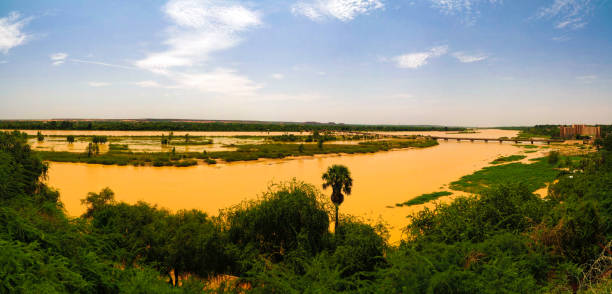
(287, 217)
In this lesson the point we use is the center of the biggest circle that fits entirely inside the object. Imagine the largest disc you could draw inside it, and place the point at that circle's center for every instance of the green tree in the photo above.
(70, 139)
(95, 201)
(338, 177)
(607, 142)
(320, 143)
(92, 149)
(301, 148)
(40, 137)
(186, 138)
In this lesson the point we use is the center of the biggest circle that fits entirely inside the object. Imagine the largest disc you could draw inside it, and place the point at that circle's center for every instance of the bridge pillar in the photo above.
(472, 140)
(547, 142)
(531, 142)
(501, 141)
(445, 139)
(486, 141)
(458, 139)
(516, 142)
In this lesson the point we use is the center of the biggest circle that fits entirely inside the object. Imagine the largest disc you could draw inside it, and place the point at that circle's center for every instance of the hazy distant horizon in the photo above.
(205, 120)
(436, 62)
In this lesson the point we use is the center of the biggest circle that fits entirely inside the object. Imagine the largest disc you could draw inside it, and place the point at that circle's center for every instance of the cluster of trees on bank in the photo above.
(160, 125)
(505, 239)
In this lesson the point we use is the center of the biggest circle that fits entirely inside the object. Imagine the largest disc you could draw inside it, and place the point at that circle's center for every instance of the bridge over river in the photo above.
(500, 140)
(471, 139)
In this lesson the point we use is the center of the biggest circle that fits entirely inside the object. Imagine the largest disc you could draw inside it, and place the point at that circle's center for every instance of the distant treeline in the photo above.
(549, 131)
(207, 126)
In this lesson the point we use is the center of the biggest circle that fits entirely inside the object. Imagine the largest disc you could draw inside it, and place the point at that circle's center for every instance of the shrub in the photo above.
(553, 157)
(287, 216)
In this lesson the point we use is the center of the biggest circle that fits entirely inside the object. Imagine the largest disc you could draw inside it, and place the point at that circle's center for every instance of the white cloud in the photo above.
(468, 9)
(10, 31)
(418, 59)
(148, 84)
(344, 10)
(58, 58)
(278, 76)
(467, 58)
(221, 81)
(200, 28)
(567, 14)
(98, 84)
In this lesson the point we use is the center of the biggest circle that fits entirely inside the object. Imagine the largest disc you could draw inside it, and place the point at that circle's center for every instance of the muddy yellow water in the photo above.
(380, 179)
(477, 133)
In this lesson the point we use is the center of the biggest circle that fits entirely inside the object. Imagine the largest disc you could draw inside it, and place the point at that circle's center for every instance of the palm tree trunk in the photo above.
(336, 225)
(176, 278)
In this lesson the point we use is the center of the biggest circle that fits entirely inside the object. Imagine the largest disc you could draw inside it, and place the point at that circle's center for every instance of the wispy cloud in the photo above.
(11, 34)
(587, 79)
(200, 28)
(102, 63)
(561, 38)
(58, 58)
(148, 84)
(468, 10)
(220, 81)
(418, 59)
(344, 10)
(278, 76)
(469, 58)
(567, 14)
(98, 84)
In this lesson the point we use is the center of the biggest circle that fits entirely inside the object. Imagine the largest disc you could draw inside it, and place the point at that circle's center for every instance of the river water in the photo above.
(380, 179)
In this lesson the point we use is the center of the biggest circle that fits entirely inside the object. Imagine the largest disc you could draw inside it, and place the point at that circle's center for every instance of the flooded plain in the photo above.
(150, 133)
(380, 179)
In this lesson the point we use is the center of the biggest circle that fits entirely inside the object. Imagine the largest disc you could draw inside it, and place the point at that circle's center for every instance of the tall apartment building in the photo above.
(582, 130)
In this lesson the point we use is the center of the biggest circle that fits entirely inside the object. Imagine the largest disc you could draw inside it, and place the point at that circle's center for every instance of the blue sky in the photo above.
(451, 62)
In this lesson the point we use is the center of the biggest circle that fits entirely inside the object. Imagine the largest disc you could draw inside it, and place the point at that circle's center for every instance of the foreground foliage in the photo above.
(504, 239)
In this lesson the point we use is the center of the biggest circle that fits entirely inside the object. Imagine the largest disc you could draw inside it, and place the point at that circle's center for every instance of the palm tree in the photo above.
(339, 178)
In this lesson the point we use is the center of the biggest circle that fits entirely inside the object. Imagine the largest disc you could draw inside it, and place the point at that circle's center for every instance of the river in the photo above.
(380, 179)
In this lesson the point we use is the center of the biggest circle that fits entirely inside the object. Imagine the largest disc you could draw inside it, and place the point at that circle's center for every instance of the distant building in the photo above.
(579, 130)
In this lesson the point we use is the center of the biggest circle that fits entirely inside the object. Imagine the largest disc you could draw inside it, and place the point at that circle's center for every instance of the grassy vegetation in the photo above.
(424, 198)
(243, 153)
(505, 159)
(193, 141)
(526, 146)
(118, 147)
(535, 175)
(465, 132)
